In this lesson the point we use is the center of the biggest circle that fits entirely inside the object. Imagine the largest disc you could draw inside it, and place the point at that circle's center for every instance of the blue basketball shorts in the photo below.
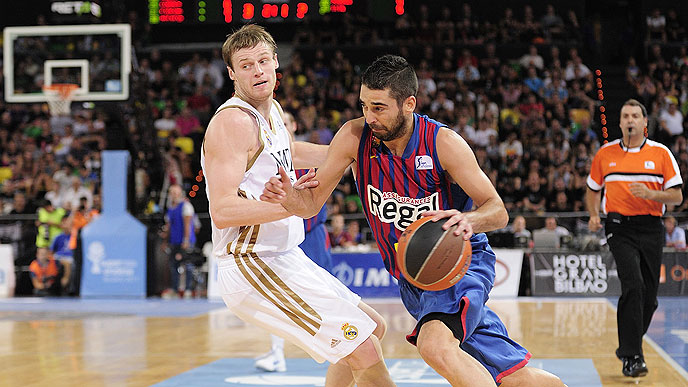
(462, 308)
(316, 245)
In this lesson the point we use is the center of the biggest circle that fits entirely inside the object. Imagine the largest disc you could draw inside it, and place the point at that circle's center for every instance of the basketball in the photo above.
(431, 258)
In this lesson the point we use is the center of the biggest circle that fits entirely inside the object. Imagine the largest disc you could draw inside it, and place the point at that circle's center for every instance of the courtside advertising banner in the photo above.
(673, 275)
(7, 280)
(364, 274)
(507, 272)
(574, 274)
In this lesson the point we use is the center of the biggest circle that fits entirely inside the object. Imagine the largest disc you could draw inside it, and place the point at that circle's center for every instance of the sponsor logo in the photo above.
(334, 343)
(361, 276)
(283, 158)
(350, 331)
(96, 254)
(612, 164)
(391, 207)
(423, 162)
(649, 165)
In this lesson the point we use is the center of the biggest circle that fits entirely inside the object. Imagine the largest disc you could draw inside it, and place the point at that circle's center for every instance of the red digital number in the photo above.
(227, 10)
(248, 11)
(301, 10)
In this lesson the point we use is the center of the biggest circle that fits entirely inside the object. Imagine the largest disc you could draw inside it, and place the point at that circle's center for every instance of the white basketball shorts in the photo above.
(292, 297)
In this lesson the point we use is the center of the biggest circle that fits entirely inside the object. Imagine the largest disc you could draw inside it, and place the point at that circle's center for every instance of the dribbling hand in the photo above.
(456, 217)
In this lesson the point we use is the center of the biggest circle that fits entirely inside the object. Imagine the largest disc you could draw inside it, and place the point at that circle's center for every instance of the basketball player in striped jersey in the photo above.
(407, 166)
(265, 279)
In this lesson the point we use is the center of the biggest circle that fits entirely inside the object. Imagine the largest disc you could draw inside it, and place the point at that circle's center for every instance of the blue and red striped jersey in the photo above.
(318, 219)
(395, 190)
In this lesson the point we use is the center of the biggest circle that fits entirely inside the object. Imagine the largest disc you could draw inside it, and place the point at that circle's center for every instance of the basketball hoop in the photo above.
(59, 97)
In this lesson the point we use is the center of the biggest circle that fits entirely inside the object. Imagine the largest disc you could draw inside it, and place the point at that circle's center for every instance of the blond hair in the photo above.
(247, 36)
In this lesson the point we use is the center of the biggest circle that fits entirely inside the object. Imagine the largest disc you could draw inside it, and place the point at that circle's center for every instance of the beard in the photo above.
(389, 134)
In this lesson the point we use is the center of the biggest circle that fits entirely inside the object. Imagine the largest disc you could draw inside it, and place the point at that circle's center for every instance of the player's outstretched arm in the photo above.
(458, 159)
(308, 155)
(230, 142)
(310, 192)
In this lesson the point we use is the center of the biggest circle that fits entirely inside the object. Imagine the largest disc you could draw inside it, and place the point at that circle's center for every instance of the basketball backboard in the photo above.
(95, 57)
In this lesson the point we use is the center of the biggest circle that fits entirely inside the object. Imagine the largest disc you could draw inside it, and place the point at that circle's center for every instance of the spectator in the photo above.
(338, 235)
(45, 271)
(552, 24)
(551, 225)
(179, 230)
(49, 223)
(80, 217)
(324, 133)
(518, 228)
(532, 58)
(671, 119)
(166, 123)
(354, 230)
(656, 23)
(534, 194)
(187, 122)
(72, 196)
(675, 235)
(64, 254)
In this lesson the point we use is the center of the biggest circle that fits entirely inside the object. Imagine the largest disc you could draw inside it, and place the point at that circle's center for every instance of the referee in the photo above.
(639, 177)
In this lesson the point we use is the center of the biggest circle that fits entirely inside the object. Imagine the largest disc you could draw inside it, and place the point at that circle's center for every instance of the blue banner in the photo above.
(114, 244)
(364, 274)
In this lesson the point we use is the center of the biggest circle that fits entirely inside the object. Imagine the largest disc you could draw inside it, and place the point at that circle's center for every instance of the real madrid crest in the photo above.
(350, 331)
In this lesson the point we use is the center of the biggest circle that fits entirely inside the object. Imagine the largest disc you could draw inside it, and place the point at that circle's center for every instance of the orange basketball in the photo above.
(431, 258)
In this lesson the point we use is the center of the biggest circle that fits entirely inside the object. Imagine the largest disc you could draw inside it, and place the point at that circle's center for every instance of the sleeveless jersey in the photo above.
(273, 237)
(395, 190)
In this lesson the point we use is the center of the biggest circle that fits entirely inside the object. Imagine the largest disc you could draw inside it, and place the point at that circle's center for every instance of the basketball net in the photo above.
(59, 97)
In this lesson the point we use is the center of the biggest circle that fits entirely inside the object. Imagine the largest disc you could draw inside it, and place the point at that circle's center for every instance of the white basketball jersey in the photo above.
(275, 151)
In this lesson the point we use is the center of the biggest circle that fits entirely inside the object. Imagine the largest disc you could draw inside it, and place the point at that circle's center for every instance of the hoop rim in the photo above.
(63, 89)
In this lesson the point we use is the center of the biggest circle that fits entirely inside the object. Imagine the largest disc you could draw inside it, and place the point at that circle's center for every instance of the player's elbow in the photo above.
(502, 218)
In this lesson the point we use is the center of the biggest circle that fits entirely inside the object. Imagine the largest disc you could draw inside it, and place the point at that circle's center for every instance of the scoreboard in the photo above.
(257, 11)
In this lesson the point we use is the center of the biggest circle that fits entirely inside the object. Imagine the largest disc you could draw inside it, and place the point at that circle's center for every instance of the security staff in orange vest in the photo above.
(639, 177)
(45, 271)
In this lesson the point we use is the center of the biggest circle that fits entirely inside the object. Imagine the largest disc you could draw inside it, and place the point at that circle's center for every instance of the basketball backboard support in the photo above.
(95, 57)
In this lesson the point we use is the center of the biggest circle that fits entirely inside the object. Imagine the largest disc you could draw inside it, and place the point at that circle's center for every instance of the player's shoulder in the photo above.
(231, 119)
(354, 126)
(447, 135)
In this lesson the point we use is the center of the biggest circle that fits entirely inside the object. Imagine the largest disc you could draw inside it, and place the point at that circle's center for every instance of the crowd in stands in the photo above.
(532, 119)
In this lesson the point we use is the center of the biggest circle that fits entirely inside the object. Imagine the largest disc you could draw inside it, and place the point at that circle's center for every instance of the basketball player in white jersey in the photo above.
(265, 279)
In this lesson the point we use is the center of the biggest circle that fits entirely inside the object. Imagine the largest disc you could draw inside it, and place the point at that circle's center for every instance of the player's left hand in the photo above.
(640, 190)
(456, 217)
(279, 187)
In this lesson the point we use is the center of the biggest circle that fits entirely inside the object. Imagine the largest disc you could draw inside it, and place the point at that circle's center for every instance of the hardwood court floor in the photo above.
(70, 345)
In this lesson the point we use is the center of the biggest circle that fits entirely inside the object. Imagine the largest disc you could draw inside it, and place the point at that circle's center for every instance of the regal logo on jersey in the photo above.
(390, 207)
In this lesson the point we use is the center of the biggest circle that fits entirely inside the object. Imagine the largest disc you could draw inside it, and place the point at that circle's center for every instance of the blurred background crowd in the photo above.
(520, 86)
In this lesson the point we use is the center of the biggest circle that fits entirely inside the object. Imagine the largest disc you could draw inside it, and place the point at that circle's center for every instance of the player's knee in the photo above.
(529, 376)
(433, 352)
(380, 323)
(365, 355)
(381, 328)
